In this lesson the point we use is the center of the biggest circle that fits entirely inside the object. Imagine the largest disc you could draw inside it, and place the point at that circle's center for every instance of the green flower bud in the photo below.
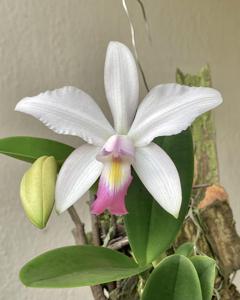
(37, 190)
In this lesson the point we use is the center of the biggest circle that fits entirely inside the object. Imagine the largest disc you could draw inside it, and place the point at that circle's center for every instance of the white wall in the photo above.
(50, 43)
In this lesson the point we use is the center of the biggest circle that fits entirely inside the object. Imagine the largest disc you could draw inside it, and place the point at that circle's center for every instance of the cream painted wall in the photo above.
(50, 43)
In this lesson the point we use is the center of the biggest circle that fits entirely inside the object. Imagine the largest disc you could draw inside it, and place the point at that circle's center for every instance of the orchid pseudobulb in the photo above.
(110, 152)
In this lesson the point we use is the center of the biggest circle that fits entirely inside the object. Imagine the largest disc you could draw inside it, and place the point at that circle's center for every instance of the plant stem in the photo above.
(119, 244)
(95, 231)
(78, 232)
(114, 225)
(97, 292)
(81, 239)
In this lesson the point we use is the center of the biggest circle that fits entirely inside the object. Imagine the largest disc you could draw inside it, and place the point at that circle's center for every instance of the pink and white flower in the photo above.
(110, 152)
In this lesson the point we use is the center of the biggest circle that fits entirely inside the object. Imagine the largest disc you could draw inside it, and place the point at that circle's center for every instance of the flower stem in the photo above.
(79, 231)
(81, 239)
(95, 231)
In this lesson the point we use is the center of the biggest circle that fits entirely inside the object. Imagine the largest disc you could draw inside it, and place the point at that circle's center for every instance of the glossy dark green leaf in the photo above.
(30, 148)
(77, 266)
(174, 279)
(185, 249)
(150, 228)
(206, 269)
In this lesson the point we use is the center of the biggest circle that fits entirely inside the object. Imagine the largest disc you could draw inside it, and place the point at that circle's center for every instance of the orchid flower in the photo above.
(110, 152)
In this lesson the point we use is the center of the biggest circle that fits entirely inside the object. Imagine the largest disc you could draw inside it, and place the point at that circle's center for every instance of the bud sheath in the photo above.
(37, 190)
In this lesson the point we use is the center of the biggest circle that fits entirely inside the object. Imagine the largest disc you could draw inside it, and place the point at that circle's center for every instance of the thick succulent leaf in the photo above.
(174, 279)
(77, 266)
(150, 228)
(185, 249)
(206, 269)
(29, 149)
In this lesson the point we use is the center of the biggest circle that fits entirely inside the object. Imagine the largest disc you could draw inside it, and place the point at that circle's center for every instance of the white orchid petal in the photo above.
(160, 176)
(121, 85)
(69, 111)
(77, 175)
(170, 108)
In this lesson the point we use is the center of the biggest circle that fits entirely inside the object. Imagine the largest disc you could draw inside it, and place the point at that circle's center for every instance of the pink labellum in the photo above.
(117, 154)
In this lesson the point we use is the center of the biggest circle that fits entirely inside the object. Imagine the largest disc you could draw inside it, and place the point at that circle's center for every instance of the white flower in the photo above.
(109, 152)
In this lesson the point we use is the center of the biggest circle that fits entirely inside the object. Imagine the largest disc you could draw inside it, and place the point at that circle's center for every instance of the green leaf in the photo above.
(30, 148)
(150, 228)
(185, 249)
(174, 279)
(206, 269)
(77, 266)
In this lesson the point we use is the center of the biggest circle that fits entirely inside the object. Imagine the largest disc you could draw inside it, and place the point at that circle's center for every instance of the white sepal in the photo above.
(69, 111)
(121, 85)
(160, 176)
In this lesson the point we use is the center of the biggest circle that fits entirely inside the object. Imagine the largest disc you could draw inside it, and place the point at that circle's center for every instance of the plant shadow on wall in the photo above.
(164, 242)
